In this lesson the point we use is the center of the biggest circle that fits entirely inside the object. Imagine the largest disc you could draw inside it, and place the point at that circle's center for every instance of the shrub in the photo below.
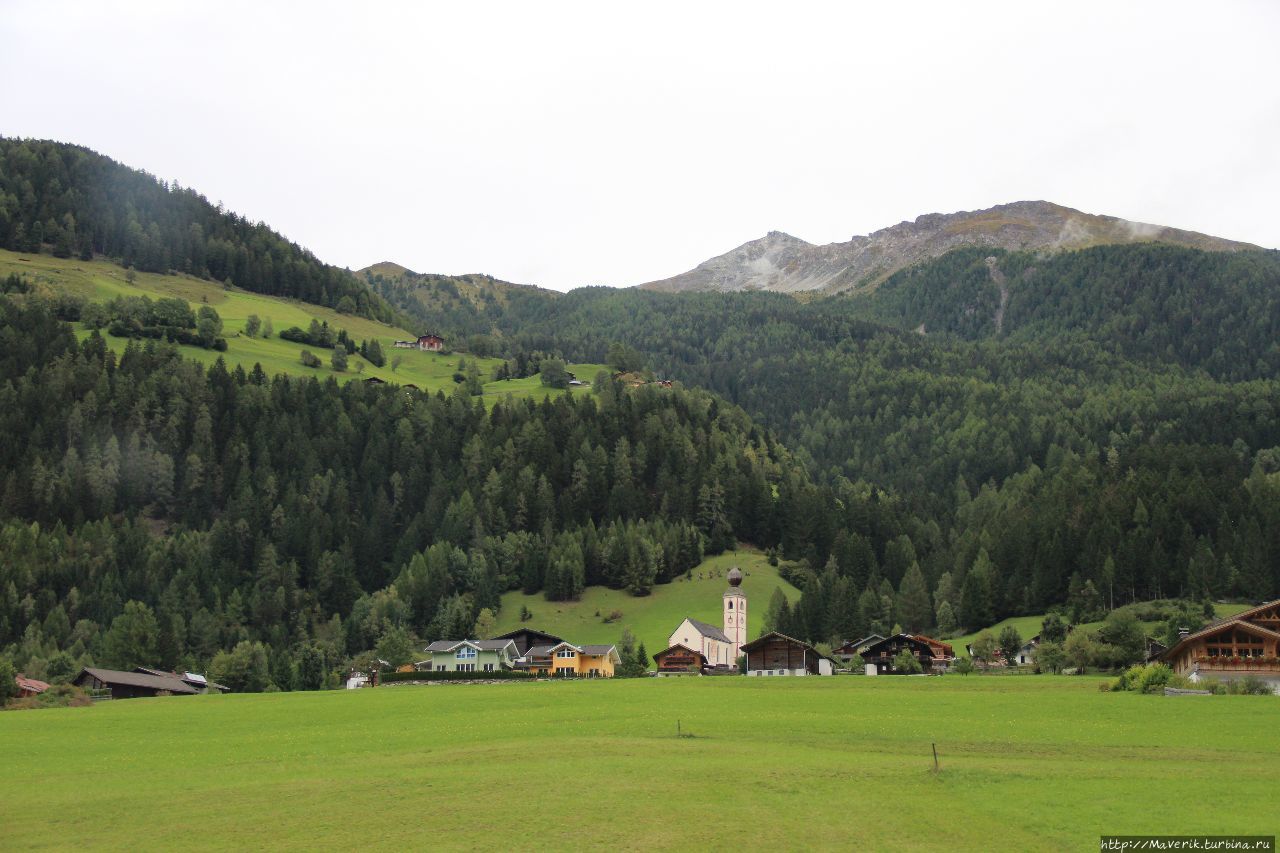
(963, 666)
(499, 675)
(1151, 678)
(309, 359)
(906, 662)
(1250, 685)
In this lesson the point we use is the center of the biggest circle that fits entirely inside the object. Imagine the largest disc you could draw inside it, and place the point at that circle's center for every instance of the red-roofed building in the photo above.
(30, 687)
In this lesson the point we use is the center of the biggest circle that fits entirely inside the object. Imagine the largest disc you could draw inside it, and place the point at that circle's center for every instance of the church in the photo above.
(720, 647)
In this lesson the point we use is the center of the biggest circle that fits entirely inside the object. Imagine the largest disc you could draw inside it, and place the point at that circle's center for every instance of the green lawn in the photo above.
(1036, 763)
(102, 280)
(653, 617)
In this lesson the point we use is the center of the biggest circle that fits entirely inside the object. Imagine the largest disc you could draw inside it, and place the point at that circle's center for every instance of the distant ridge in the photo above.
(785, 264)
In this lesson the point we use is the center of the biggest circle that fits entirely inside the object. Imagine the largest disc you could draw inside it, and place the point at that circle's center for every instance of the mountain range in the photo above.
(782, 263)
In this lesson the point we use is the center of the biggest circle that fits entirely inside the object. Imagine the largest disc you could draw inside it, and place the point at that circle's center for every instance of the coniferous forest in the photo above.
(988, 434)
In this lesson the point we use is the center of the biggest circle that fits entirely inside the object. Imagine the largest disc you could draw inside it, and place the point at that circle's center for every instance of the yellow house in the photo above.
(565, 660)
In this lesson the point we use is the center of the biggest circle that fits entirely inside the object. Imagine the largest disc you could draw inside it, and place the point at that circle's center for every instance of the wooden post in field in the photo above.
(935, 758)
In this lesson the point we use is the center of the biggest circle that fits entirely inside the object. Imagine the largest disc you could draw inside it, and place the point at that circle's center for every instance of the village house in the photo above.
(565, 660)
(854, 649)
(778, 654)
(943, 654)
(1247, 644)
(879, 656)
(679, 660)
(28, 687)
(470, 656)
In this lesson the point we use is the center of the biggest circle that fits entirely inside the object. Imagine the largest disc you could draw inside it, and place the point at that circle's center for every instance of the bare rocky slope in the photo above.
(786, 264)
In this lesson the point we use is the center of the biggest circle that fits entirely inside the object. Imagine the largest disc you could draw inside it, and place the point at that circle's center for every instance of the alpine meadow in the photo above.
(959, 534)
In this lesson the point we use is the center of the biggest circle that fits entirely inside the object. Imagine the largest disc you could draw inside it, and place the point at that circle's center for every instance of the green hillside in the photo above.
(101, 280)
(651, 618)
(1029, 626)
(1040, 763)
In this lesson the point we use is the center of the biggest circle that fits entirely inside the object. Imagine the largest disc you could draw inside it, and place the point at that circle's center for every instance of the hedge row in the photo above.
(389, 677)
(173, 334)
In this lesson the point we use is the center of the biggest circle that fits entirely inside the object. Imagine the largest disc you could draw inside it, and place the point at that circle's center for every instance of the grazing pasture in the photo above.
(101, 281)
(1035, 763)
(653, 617)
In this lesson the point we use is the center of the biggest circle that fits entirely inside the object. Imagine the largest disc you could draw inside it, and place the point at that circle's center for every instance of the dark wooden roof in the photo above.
(679, 647)
(171, 683)
(774, 635)
(910, 638)
(531, 634)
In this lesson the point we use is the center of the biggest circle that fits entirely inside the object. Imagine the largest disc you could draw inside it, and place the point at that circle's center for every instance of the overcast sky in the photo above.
(570, 144)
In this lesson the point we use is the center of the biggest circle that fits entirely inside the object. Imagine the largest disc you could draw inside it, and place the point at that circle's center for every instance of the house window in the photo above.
(439, 667)
(565, 653)
(466, 667)
(730, 605)
(466, 653)
(488, 667)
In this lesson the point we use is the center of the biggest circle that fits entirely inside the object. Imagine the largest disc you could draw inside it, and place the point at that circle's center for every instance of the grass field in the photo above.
(101, 280)
(1036, 763)
(653, 617)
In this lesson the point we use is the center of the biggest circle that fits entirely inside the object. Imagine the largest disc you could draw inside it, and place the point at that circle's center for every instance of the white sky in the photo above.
(578, 143)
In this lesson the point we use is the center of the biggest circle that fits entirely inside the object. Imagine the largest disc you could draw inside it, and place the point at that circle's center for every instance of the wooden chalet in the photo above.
(778, 654)
(430, 343)
(943, 653)
(679, 660)
(1245, 644)
(527, 638)
(881, 654)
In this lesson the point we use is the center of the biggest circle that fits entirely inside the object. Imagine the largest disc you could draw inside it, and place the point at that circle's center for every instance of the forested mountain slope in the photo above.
(1124, 432)
(155, 511)
(1214, 311)
(71, 201)
(463, 308)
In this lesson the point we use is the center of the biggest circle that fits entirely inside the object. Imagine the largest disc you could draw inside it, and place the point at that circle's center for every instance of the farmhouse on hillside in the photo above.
(470, 656)
(879, 655)
(778, 654)
(679, 660)
(1232, 648)
(720, 648)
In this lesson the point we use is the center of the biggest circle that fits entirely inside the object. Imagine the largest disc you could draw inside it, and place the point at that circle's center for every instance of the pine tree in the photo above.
(914, 608)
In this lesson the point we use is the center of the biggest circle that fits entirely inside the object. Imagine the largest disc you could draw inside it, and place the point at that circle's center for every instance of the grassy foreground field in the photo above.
(1036, 763)
(101, 280)
(653, 617)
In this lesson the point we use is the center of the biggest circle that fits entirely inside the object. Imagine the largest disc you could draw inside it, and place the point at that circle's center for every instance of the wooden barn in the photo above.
(132, 685)
(778, 654)
(679, 660)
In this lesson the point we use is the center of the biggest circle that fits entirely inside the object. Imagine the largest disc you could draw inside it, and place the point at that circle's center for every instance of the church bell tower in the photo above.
(735, 613)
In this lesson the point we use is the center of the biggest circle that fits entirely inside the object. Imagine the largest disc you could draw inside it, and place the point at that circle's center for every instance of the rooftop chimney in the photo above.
(1182, 633)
